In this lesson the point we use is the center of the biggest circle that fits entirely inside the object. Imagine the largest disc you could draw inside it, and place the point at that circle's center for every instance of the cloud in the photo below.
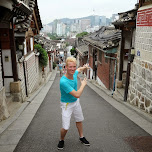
(50, 10)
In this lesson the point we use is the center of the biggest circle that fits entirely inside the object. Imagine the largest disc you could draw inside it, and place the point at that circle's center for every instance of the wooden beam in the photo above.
(13, 54)
(36, 22)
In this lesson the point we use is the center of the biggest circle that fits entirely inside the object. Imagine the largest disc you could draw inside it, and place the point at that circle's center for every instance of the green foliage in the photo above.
(54, 65)
(67, 44)
(53, 36)
(43, 58)
(82, 34)
(73, 51)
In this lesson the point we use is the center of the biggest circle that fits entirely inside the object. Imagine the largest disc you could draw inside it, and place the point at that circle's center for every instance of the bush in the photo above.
(54, 65)
(43, 58)
(82, 34)
(73, 51)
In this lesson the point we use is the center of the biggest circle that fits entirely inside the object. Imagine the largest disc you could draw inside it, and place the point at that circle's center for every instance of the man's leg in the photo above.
(80, 128)
(63, 133)
(61, 142)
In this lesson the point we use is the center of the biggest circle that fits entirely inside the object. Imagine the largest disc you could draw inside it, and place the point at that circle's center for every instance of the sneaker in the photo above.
(61, 144)
(84, 141)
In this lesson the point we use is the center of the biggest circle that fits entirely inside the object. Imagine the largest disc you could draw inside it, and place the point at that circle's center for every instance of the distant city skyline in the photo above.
(70, 27)
(51, 10)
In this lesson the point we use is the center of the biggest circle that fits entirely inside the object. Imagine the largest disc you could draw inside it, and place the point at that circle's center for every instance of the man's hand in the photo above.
(78, 93)
(84, 81)
(86, 66)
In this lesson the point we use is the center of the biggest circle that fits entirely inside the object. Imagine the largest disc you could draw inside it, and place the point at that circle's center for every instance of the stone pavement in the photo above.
(14, 129)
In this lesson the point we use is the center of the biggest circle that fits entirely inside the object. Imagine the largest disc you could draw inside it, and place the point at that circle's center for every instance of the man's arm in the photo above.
(80, 69)
(78, 93)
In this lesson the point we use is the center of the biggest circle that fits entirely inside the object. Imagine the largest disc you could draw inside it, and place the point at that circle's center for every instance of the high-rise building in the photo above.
(85, 23)
(103, 20)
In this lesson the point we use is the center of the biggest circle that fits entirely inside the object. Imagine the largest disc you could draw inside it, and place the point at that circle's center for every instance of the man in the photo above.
(70, 100)
(60, 68)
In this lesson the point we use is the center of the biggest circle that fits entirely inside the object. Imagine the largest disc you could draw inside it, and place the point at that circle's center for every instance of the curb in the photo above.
(140, 112)
(24, 105)
(8, 122)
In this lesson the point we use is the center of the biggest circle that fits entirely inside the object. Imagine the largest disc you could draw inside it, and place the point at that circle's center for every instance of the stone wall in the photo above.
(3, 107)
(21, 77)
(140, 88)
(4, 114)
(32, 72)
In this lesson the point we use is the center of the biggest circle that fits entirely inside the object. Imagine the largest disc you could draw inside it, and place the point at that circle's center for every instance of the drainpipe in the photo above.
(25, 78)
(114, 82)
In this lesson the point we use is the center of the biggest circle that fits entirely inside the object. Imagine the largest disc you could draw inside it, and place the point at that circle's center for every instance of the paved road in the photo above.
(105, 127)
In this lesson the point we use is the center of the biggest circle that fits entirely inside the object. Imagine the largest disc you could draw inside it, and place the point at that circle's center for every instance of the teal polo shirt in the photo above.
(66, 86)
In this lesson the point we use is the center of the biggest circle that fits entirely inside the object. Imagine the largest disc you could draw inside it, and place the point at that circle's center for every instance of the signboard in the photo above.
(138, 53)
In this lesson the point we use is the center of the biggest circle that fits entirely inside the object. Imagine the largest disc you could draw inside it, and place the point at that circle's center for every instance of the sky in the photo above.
(57, 9)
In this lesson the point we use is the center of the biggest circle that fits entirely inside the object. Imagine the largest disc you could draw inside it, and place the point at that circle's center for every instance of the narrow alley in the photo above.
(106, 128)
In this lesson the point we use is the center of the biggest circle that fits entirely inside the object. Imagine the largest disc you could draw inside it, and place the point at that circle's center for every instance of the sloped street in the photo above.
(106, 128)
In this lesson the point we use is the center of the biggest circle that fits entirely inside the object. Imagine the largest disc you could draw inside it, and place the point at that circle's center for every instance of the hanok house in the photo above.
(19, 22)
(103, 45)
(26, 26)
(140, 88)
(127, 24)
(82, 53)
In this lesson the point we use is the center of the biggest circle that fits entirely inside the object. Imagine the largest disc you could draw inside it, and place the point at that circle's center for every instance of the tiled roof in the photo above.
(105, 37)
(127, 16)
(82, 49)
(22, 21)
(47, 44)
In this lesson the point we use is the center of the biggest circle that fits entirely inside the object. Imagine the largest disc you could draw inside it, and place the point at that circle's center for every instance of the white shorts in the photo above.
(67, 111)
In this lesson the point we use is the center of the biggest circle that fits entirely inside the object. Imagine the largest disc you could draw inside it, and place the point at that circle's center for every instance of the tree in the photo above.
(73, 51)
(53, 36)
(82, 34)
(43, 58)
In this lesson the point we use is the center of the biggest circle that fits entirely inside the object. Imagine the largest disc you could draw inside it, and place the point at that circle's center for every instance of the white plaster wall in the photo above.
(25, 51)
(7, 69)
(143, 43)
(125, 65)
(7, 65)
(31, 43)
(78, 62)
(7, 84)
(91, 73)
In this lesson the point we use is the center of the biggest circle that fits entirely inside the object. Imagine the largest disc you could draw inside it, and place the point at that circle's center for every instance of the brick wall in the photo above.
(103, 71)
(140, 88)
